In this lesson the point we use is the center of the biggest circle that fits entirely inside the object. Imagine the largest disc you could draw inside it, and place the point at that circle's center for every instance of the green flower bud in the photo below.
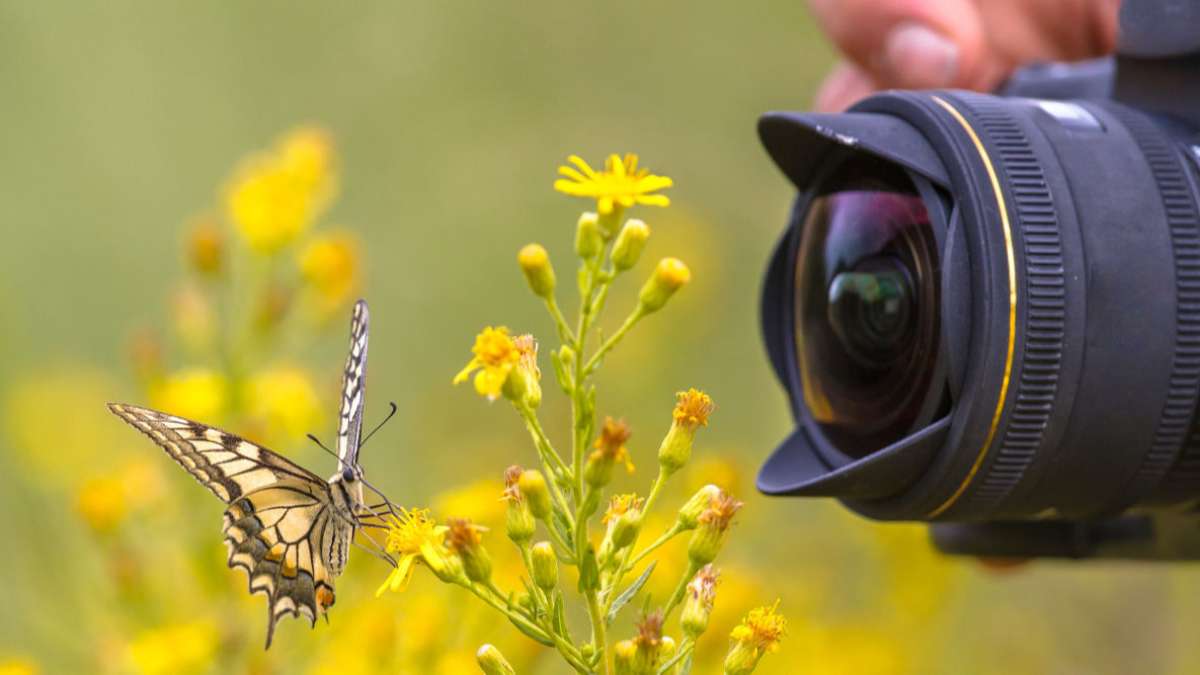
(532, 485)
(666, 650)
(589, 242)
(698, 602)
(464, 539)
(447, 567)
(630, 243)
(691, 412)
(669, 276)
(545, 566)
(492, 662)
(624, 657)
(589, 571)
(610, 449)
(626, 528)
(709, 537)
(742, 659)
(523, 384)
(539, 274)
(689, 513)
(518, 522)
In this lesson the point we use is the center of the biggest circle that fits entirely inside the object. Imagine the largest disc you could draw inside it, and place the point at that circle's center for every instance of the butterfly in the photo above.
(288, 528)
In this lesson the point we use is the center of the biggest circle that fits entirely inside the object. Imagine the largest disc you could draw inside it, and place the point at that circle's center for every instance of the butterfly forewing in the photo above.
(349, 431)
(283, 525)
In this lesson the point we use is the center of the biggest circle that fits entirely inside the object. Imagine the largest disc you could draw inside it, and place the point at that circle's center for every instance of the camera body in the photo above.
(986, 308)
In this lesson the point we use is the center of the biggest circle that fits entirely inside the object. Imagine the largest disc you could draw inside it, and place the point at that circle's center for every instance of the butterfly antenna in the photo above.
(392, 508)
(380, 425)
(321, 445)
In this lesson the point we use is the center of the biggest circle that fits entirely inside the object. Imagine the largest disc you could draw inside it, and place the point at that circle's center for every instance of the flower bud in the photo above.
(698, 602)
(630, 243)
(689, 513)
(758, 634)
(206, 247)
(626, 528)
(465, 540)
(649, 644)
(666, 650)
(539, 274)
(545, 566)
(624, 655)
(714, 523)
(610, 449)
(533, 488)
(692, 409)
(669, 276)
(445, 565)
(589, 242)
(522, 385)
(518, 522)
(492, 662)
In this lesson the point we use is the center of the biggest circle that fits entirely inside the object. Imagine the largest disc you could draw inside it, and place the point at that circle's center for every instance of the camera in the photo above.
(985, 308)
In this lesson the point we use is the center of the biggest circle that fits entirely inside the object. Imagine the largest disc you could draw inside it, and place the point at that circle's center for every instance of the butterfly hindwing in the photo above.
(349, 432)
(282, 525)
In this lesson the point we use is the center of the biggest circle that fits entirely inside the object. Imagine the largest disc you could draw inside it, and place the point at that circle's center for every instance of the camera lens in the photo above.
(867, 311)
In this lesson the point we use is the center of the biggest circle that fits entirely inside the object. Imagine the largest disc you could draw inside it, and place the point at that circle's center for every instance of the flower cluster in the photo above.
(563, 498)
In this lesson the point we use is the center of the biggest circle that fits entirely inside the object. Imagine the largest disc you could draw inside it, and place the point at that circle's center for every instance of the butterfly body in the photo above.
(289, 529)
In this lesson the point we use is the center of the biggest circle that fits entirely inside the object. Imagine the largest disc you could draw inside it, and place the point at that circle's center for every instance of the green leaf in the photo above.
(629, 593)
(535, 637)
(589, 571)
(686, 667)
(560, 372)
(559, 615)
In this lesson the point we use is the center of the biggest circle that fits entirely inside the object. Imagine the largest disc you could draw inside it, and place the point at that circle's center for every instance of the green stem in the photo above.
(626, 564)
(685, 647)
(560, 322)
(569, 653)
(677, 596)
(599, 631)
(540, 600)
(549, 456)
(630, 321)
(666, 536)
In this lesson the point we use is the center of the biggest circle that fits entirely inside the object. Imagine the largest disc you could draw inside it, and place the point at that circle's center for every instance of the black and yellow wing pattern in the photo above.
(283, 525)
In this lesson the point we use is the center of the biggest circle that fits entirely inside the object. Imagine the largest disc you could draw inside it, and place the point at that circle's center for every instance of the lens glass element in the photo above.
(867, 313)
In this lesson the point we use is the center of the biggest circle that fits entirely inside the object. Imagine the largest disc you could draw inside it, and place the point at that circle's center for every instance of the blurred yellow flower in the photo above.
(197, 393)
(18, 666)
(476, 500)
(621, 183)
(330, 265)
(101, 503)
(414, 536)
(274, 196)
(205, 247)
(495, 356)
(283, 399)
(173, 649)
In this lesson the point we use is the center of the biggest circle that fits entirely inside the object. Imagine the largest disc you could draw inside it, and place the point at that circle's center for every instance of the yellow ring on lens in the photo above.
(1012, 306)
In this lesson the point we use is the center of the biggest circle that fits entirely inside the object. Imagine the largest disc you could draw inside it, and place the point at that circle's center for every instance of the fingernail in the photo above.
(916, 56)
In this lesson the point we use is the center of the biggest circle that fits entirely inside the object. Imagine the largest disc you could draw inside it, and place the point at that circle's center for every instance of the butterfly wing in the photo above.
(349, 433)
(281, 525)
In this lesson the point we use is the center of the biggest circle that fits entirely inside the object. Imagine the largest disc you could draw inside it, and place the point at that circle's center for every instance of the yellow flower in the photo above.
(621, 183)
(620, 505)
(763, 627)
(179, 648)
(495, 356)
(692, 408)
(282, 399)
(330, 265)
(18, 666)
(274, 196)
(610, 449)
(197, 393)
(414, 536)
(101, 503)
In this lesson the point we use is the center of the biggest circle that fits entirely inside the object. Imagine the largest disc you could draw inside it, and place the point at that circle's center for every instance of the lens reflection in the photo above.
(867, 314)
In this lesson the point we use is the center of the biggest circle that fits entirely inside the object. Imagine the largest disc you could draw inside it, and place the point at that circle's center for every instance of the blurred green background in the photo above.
(120, 121)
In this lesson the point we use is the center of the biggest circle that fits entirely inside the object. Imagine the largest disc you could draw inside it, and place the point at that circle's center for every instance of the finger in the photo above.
(906, 43)
(844, 86)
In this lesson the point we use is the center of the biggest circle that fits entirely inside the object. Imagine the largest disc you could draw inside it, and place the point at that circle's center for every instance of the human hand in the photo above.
(965, 44)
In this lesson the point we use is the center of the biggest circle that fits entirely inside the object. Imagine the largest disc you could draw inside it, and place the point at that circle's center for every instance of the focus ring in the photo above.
(1041, 268)
(1176, 445)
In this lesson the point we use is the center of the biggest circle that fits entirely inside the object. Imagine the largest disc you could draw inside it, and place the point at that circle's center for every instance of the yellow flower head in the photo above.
(196, 393)
(414, 536)
(762, 629)
(621, 183)
(180, 648)
(101, 503)
(611, 442)
(622, 504)
(463, 534)
(495, 356)
(330, 266)
(721, 509)
(274, 196)
(283, 401)
(692, 408)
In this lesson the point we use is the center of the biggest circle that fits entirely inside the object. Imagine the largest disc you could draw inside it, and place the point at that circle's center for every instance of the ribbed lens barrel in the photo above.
(867, 313)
